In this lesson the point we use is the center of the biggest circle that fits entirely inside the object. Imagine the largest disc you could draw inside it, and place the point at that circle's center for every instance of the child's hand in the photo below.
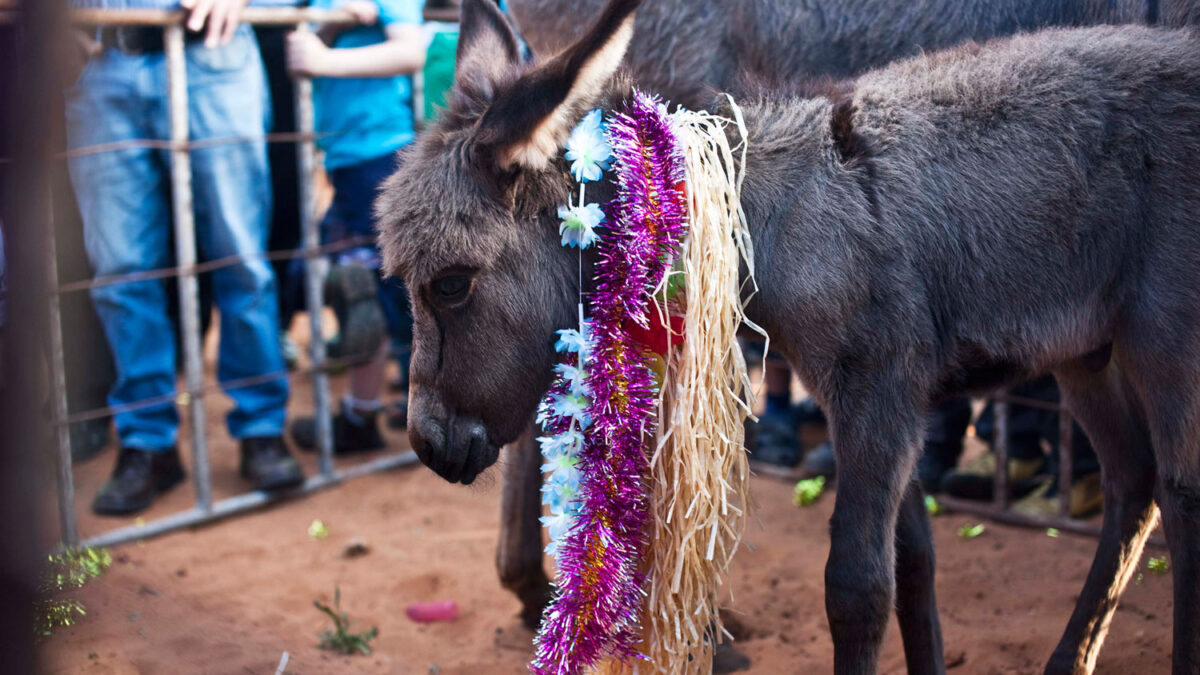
(307, 55)
(365, 12)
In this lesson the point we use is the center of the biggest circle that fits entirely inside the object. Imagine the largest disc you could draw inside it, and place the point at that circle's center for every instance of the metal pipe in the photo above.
(1066, 462)
(1000, 412)
(1007, 517)
(185, 256)
(245, 502)
(262, 16)
(68, 527)
(314, 269)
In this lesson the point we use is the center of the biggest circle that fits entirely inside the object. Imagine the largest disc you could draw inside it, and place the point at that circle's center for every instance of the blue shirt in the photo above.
(365, 117)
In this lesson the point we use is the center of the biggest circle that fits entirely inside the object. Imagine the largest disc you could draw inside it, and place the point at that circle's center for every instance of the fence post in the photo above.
(1000, 412)
(185, 256)
(314, 268)
(1066, 460)
(69, 530)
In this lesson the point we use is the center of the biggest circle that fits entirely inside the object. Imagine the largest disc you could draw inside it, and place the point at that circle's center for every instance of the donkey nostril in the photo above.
(428, 439)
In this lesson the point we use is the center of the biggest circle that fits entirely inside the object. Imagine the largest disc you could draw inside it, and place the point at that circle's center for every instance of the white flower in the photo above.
(563, 470)
(573, 406)
(574, 376)
(558, 525)
(559, 495)
(579, 224)
(567, 443)
(587, 148)
(573, 341)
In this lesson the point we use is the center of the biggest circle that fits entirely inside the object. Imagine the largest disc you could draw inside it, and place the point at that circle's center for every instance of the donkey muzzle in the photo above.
(457, 449)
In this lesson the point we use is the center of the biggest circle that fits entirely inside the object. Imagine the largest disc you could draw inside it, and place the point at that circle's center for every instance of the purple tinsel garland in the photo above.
(595, 613)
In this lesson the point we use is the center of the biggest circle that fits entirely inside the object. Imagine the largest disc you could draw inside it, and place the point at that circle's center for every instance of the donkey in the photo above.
(679, 44)
(1049, 176)
(684, 48)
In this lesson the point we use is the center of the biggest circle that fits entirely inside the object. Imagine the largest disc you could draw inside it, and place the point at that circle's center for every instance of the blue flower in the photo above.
(567, 443)
(558, 525)
(574, 406)
(587, 149)
(574, 376)
(563, 470)
(558, 496)
(573, 341)
(579, 224)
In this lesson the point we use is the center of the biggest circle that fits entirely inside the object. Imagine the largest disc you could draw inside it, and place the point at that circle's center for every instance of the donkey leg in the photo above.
(916, 604)
(877, 441)
(519, 554)
(1181, 518)
(1171, 396)
(1104, 404)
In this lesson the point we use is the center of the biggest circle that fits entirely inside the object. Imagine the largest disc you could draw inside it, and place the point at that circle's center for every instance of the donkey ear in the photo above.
(529, 121)
(488, 47)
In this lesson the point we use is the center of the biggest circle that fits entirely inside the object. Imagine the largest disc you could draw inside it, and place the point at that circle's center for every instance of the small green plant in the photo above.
(1052, 532)
(932, 506)
(808, 491)
(971, 531)
(1158, 565)
(340, 639)
(67, 570)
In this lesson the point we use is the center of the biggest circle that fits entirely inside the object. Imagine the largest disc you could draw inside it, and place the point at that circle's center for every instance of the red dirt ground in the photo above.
(231, 597)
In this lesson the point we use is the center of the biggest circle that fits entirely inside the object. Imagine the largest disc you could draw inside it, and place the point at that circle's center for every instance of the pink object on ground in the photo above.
(428, 612)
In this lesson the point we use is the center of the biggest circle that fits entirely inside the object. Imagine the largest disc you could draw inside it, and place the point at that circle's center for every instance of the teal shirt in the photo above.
(365, 117)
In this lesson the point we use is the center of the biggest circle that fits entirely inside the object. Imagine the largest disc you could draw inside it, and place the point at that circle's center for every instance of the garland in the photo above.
(601, 409)
(605, 497)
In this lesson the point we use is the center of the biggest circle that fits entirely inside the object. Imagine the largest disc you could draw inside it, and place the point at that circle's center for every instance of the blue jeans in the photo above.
(124, 199)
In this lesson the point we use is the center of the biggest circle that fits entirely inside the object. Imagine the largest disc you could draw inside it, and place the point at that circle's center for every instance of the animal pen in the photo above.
(188, 268)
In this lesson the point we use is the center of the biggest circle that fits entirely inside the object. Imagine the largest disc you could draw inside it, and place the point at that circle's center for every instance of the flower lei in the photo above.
(600, 410)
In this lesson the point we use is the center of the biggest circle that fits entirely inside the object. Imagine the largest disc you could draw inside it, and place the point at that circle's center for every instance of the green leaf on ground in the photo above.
(971, 531)
(317, 530)
(1158, 565)
(808, 491)
(932, 506)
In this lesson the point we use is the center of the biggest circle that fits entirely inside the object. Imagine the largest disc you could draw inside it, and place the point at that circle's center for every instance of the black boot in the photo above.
(349, 437)
(353, 293)
(139, 476)
(267, 464)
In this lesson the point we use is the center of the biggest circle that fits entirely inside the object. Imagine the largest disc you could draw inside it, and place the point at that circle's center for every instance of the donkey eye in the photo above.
(451, 289)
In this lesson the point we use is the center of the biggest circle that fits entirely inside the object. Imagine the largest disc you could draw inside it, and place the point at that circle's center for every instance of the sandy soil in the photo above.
(232, 597)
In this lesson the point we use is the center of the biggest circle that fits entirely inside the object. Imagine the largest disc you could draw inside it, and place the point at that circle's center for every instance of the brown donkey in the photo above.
(1051, 176)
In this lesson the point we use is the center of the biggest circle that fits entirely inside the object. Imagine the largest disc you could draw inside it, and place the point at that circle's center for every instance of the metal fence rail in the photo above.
(186, 271)
(998, 510)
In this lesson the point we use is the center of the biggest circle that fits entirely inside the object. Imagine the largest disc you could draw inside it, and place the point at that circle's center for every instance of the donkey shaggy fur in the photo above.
(683, 45)
(952, 223)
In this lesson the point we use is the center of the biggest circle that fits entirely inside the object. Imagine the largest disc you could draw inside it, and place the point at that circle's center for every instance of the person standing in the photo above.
(362, 96)
(121, 94)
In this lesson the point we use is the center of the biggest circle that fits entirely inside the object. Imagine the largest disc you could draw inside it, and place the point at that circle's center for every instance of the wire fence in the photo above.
(186, 271)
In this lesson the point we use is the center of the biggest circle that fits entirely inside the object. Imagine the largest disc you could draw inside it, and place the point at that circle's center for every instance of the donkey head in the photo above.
(469, 221)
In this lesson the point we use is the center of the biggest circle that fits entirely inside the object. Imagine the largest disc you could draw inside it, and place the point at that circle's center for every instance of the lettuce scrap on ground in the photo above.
(971, 531)
(808, 491)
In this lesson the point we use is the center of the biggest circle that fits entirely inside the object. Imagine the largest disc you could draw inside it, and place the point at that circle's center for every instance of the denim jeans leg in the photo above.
(123, 200)
(228, 98)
